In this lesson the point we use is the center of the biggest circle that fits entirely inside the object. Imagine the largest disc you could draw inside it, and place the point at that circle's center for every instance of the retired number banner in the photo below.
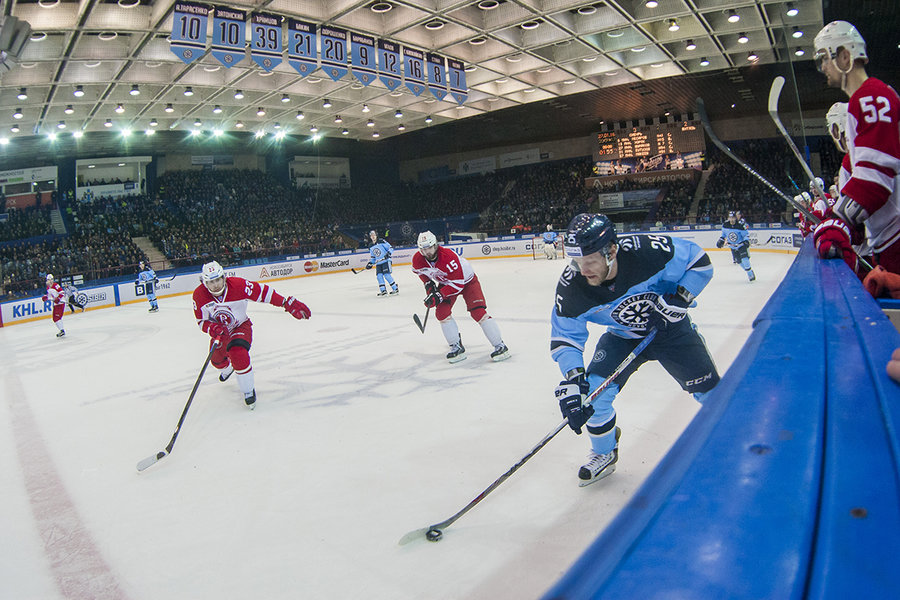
(457, 77)
(414, 64)
(334, 51)
(389, 64)
(229, 39)
(437, 76)
(265, 40)
(188, 39)
(362, 57)
(302, 47)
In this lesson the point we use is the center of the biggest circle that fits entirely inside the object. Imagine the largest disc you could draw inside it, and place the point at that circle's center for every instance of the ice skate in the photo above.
(457, 352)
(501, 352)
(250, 399)
(751, 275)
(153, 309)
(61, 333)
(381, 293)
(599, 465)
(225, 373)
(395, 291)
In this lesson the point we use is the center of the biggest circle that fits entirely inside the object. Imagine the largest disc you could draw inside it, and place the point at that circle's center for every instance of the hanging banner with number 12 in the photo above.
(188, 39)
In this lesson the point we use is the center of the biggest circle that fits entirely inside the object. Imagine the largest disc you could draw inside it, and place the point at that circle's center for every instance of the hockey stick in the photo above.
(355, 272)
(704, 118)
(152, 460)
(421, 324)
(774, 95)
(434, 532)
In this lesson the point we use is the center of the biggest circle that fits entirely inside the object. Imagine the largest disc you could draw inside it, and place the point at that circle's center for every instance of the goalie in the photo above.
(550, 239)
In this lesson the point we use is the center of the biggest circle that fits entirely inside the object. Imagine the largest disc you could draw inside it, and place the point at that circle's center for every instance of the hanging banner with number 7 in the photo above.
(414, 65)
(229, 29)
(188, 39)
(265, 40)
(334, 52)
(457, 77)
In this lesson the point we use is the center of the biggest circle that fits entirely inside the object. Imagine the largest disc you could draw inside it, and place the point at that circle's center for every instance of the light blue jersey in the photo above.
(147, 280)
(734, 235)
(380, 252)
(649, 266)
(380, 256)
(550, 237)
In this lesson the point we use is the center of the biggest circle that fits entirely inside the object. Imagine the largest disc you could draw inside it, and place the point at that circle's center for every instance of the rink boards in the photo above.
(184, 281)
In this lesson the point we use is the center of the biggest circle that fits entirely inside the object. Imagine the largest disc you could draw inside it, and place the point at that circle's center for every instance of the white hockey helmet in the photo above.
(426, 240)
(833, 37)
(49, 277)
(213, 277)
(836, 117)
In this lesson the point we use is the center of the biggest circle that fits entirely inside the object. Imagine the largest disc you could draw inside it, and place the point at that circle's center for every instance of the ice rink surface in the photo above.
(362, 432)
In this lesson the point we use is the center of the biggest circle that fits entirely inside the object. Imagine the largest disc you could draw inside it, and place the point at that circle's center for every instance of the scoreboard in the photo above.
(650, 140)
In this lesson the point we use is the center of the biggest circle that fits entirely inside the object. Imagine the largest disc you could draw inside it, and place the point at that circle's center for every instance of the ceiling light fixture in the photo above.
(488, 4)
(616, 34)
(690, 45)
(38, 36)
(169, 108)
(651, 3)
(238, 95)
(381, 7)
(398, 114)
(428, 119)
(326, 103)
(370, 123)
(796, 33)
(527, 25)
(78, 134)
(120, 109)
(365, 108)
(69, 110)
(313, 129)
(733, 17)
(79, 91)
(277, 126)
(791, 10)
(22, 95)
(217, 109)
(673, 25)
(135, 90)
(338, 119)
(300, 115)
(477, 41)
(14, 129)
(638, 48)
(799, 52)
(743, 39)
(61, 125)
(434, 25)
(107, 123)
(239, 124)
(587, 10)
(514, 58)
(198, 123)
(401, 127)
(344, 132)
(753, 57)
(260, 112)
(704, 62)
(375, 134)
(153, 122)
(285, 98)
(188, 91)
(17, 114)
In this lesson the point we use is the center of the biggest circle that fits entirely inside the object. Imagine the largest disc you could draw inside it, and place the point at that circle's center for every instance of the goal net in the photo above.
(540, 250)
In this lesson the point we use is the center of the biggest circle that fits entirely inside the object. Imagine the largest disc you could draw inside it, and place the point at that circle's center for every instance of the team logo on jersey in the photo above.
(634, 311)
(732, 237)
(224, 317)
(599, 355)
(629, 243)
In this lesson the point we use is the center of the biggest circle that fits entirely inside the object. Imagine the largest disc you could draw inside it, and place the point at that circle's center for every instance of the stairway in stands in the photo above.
(56, 221)
(157, 259)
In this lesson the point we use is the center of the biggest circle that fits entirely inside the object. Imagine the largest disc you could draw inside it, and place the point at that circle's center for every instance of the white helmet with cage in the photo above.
(213, 277)
(837, 35)
(426, 242)
(49, 278)
(836, 117)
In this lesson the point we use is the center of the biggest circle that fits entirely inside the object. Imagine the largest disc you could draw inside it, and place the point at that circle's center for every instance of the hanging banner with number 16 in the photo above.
(229, 28)
(188, 39)
(265, 40)
(414, 65)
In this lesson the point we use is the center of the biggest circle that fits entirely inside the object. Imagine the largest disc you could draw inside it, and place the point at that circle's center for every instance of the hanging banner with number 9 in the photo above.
(229, 28)
(362, 57)
(265, 40)
(188, 39)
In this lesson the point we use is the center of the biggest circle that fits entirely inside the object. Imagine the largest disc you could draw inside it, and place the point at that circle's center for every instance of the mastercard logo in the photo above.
(310, 266)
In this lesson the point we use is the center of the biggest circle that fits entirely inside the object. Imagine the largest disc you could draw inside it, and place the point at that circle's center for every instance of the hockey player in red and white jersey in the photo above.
(56, 295)
(447, 276)
(870, 199)
(220, 306)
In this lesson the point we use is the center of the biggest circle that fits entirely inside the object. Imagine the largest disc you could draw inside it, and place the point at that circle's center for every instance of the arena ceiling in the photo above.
(536, 69)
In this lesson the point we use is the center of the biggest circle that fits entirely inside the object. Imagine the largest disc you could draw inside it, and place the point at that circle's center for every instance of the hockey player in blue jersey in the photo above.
(630, 285)
(380, 258)
(549, 238)
(735, 235)
(147, 280)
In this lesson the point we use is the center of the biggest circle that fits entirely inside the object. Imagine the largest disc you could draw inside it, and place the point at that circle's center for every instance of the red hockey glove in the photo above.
(880, 282)
(832, 237)
(297, 309)
(433, 299)
(217, 331)
(44, 297)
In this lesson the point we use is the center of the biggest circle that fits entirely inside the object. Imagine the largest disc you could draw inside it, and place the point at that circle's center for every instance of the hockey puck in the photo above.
(434, 535)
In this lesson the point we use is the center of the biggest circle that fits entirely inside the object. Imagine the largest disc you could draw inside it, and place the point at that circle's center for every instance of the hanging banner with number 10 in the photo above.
(229, 28)
(188, 39)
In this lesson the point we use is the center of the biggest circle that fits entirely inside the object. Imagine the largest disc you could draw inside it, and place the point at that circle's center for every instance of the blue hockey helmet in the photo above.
(588, 233)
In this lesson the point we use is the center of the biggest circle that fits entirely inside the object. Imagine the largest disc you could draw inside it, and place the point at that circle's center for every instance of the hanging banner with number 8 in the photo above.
(265, 40)
(188, 39)
(229, 29)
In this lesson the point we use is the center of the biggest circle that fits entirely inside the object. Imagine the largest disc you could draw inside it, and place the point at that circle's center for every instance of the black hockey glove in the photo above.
(571, 394)
(433, 299)
(669, 309)
(368, 266)
(720, 242)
